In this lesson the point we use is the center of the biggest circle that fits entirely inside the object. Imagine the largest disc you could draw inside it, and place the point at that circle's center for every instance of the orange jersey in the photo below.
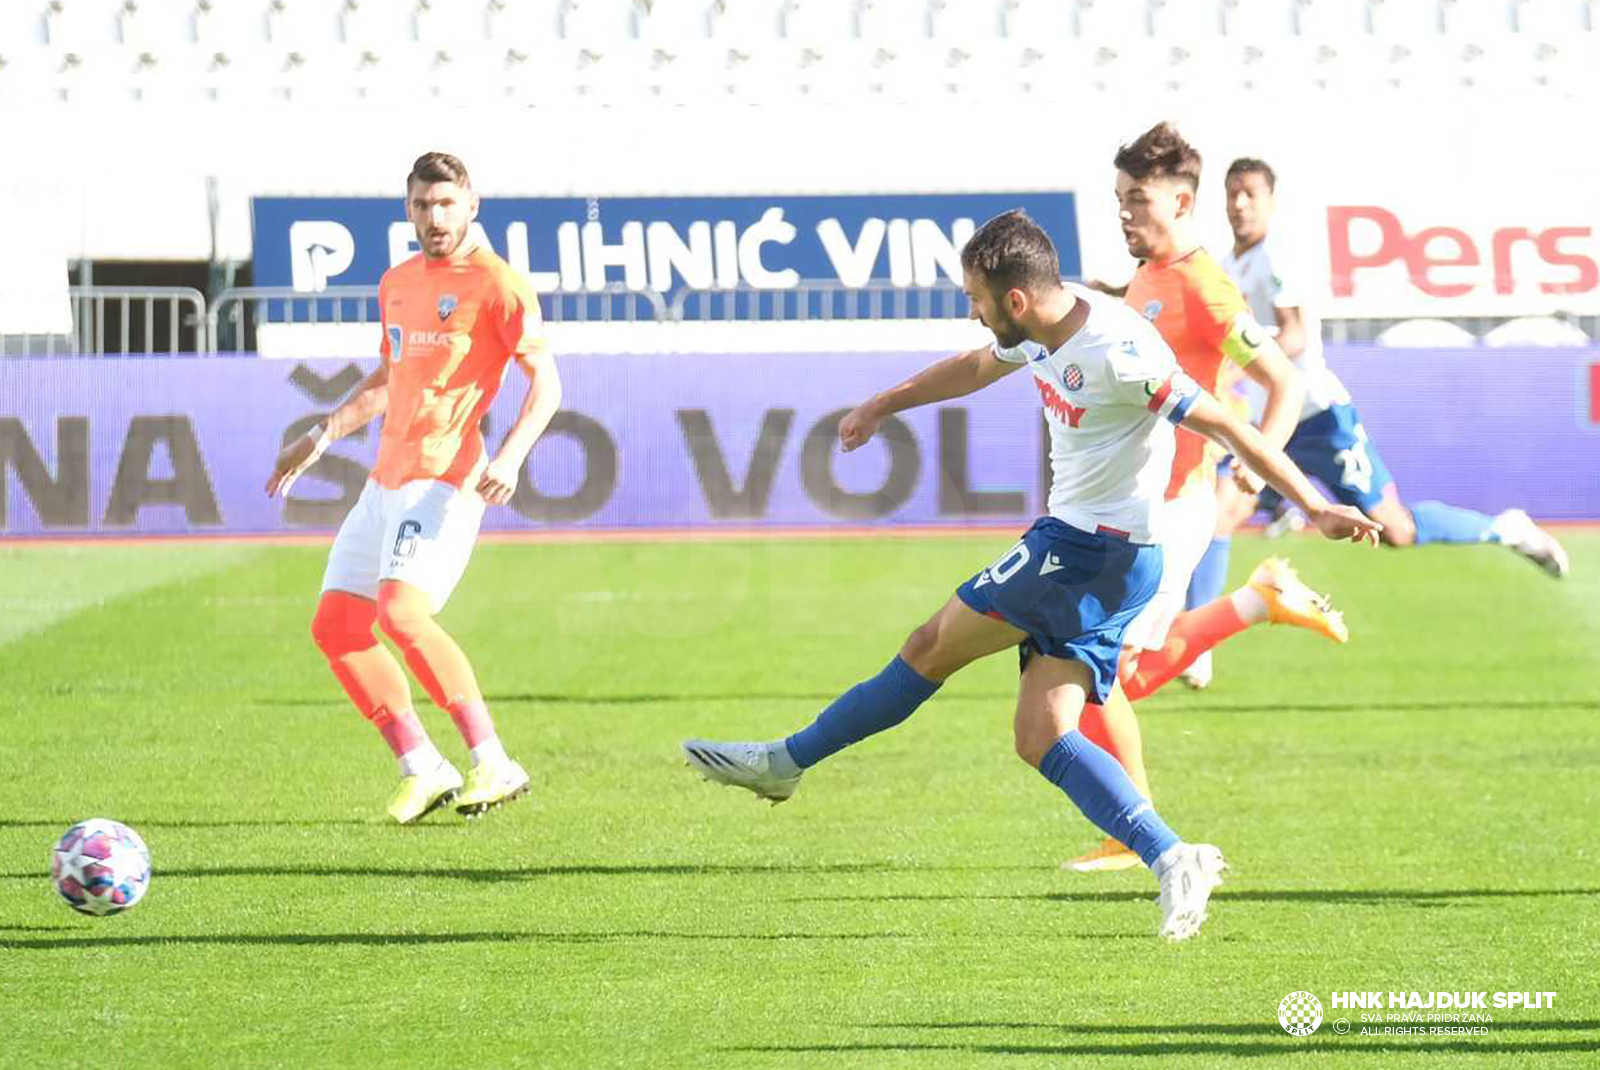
(1193, 304)
(450, 327)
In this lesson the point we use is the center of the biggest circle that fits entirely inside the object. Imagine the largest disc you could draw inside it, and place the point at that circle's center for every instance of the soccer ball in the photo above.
(100, 867)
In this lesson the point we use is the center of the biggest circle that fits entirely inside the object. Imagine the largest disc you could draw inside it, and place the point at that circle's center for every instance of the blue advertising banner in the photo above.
(167, 446)
(665, 244)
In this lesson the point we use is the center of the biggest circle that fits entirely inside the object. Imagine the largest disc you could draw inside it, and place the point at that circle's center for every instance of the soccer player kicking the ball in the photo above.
(454, 316)
(1112, 394)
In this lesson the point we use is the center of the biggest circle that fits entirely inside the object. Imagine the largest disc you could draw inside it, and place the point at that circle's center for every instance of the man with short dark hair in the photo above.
(1113, 395)
(1329, 440)
(453, 317)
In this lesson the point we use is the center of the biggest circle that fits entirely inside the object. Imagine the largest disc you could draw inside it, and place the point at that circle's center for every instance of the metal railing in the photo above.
(237, 315)
(110, 320)
(821, 299)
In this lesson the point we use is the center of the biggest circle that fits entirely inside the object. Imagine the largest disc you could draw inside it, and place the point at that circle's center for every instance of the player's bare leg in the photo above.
(1049, 703)
(405, 614)
(952, 638)
(377, 685)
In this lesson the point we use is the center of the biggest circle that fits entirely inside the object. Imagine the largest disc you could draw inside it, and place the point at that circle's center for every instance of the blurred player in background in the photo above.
(1203, 317)
(1064, 594)
(1329, 441)
(454, 317)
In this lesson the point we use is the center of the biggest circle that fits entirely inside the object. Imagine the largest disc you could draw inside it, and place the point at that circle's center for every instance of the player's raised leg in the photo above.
(1052, 694)
(1274, 594)
(953, 637)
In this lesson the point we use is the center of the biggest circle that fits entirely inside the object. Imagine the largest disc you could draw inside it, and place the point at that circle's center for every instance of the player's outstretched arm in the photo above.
(499, 480)
(952, 377)
(370, 398)
(1210, 418)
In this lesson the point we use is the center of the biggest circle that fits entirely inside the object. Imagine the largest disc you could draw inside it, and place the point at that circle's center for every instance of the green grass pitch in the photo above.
(1416, 811)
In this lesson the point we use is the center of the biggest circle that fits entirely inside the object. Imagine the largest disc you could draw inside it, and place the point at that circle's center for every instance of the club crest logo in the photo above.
(1300, 1013)
(1152, 309)
(1073, 377)
(447, 305)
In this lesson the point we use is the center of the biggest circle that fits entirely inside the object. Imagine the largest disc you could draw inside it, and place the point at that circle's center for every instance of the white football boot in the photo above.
(741, 765)
(1516, 529)
(1186, 883)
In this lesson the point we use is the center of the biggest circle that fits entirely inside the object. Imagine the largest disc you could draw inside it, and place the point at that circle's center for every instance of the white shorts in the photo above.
(421, 533)
(1188, 525)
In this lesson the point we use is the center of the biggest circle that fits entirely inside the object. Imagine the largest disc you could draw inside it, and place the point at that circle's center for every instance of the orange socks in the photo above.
(367, 671)
(1191, 635)
(435, 659)
(1114, 729)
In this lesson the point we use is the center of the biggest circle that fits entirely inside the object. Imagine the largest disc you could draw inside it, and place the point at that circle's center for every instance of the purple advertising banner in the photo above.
(167, 446)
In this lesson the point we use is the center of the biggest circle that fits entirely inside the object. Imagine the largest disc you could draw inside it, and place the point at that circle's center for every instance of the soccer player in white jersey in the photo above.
(1329, 441)
(1113, 394)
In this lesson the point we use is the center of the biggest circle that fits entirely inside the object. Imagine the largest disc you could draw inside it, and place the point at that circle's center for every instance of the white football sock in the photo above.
(423, 758)
(1249, 604)
(489, 750)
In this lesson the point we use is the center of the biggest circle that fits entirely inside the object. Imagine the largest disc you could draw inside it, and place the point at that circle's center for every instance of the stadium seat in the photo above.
(972, 24)
(1477, 19)
(892, 22)
(303, 24)
(1109, 22)
(446, 23)
(21, 23)
(1405, 20)
(231, 27)
(1552, 20)
(1537, 331)
(1331, 21)
(158, 24)
(1258, 20)
(1040, 23)
(815, 23)
(599, 23)
(747, 23)
(1185, 22)
(521, 24)
(82, 24)
(674, 23)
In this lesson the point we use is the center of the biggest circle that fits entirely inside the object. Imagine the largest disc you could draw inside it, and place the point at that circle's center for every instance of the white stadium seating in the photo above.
(672, 47)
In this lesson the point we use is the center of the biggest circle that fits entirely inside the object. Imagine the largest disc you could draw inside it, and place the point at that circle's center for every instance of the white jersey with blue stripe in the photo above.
(1269, 281)
(1113, 394)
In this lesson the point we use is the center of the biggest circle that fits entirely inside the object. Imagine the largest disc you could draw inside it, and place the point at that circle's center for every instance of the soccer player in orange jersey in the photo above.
(1202, 315)
(454, 317)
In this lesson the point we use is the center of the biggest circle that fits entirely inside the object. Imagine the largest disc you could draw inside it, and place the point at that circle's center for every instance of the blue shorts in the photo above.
(1333, 447)
(1073, 593)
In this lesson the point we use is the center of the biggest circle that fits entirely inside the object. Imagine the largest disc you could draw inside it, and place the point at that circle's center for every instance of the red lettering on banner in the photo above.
(1343, 261)
(1466, 255)
(1594, 393)
(1451, 247)
(1588, 271)
(1057, 404)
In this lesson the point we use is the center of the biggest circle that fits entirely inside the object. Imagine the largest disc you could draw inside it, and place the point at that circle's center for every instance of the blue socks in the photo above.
(866, 709)
(1210, 575)
(1438, 522)
(1101, 789)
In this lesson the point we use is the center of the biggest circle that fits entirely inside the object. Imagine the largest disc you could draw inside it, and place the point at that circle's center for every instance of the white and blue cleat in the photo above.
(740, 765)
